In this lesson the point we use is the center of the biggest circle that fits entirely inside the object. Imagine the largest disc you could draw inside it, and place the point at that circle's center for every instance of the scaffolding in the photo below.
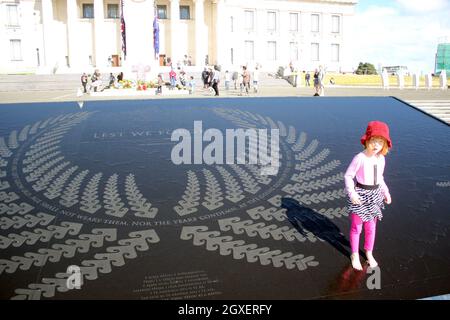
(443, 59)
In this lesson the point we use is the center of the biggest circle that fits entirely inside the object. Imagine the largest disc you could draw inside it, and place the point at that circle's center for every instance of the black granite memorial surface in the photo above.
(93, 207)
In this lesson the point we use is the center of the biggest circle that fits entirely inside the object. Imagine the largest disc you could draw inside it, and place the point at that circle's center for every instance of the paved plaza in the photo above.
(59, 88)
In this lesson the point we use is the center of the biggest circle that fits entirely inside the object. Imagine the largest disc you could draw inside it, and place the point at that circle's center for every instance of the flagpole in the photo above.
(123, 31)
(155, 32)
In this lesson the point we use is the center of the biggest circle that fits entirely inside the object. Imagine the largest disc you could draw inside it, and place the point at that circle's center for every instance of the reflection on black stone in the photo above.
(348, 280)
(306, 219)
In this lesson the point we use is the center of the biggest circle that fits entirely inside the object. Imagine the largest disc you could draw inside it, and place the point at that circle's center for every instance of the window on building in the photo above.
(271, 21)
(314, 51)
(185, 14)
(293, 21)
(249, 50)
(249, 20)
(293, 51)
(113, 11)
(335, 52)
(88, 10)
(15, 49)
(271, 50)
(12, 15)
(315, 21)
(162, 11)
(335, 24)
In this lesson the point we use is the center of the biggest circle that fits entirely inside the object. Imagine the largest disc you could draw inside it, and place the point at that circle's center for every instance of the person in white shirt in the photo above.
(227, 80)
(216, 81)
(255, 79)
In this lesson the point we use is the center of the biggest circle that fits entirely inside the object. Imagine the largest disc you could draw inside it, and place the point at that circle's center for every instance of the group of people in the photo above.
(94, 82)
(187, 61)
(211, 79)
(318, 81)
(182, 77)
(318, 78)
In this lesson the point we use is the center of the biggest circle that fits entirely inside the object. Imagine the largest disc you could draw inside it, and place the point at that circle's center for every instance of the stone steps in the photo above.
(62, 82)
(438, 108)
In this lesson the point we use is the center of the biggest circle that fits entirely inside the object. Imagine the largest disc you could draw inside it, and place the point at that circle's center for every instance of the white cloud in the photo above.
(388, 36)
(424, 5)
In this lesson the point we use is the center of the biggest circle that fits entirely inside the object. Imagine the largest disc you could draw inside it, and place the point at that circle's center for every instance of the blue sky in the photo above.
(401, 32)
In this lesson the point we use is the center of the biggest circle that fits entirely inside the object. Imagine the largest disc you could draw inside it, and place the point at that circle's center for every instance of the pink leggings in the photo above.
(355, 232)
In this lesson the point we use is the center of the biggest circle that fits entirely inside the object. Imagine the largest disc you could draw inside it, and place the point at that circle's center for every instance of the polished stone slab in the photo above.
(92, 194)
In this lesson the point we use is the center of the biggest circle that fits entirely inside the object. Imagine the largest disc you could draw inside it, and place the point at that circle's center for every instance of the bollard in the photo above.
(400, 80)
(443, 80)
(385, 79)
(416, 80)
(428, 81)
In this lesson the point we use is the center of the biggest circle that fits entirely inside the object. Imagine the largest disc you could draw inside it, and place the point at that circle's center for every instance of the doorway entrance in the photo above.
(115, 60)
(162, 60)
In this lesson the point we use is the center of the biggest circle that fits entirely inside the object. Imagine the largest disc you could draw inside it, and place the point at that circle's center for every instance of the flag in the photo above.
(122, 30)
(156, 34)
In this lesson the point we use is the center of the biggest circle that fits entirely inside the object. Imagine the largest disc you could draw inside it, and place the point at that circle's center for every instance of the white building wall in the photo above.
(112, 40)
(220, 38)
(185, 42)
(283, 37)
(348, 45)
(163, 35)
(27, 31)
(29, 52)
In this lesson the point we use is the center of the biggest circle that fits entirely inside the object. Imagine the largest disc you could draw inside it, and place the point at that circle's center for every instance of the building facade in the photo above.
(58, 36)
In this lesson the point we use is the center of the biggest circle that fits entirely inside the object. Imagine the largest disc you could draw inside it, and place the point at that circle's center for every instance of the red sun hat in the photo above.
(377, 128)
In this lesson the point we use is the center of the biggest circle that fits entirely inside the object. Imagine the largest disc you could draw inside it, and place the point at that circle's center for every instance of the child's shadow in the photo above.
(306, 219)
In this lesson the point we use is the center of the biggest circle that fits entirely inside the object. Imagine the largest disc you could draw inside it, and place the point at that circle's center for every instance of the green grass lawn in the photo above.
(374, 80)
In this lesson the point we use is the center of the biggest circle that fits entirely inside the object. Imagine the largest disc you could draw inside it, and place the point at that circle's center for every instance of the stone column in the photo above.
(220, 29)
(71, 31)
(140, 61)
(174, 33)
(101, 59)
(47, 24)
(201, 42)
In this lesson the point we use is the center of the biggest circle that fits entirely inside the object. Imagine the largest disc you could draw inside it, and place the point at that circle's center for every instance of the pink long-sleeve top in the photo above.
(362, 167)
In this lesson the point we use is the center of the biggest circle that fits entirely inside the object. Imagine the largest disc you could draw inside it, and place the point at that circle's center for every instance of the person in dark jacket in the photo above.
(84, 81)
(205, 78)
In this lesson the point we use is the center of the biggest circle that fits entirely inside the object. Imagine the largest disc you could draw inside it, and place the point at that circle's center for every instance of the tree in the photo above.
(366, 68)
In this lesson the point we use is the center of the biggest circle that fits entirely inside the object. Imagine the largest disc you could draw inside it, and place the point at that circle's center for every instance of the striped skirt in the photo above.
(372, 204)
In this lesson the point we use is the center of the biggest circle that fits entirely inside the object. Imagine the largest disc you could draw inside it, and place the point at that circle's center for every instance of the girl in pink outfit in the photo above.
(367, 194)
